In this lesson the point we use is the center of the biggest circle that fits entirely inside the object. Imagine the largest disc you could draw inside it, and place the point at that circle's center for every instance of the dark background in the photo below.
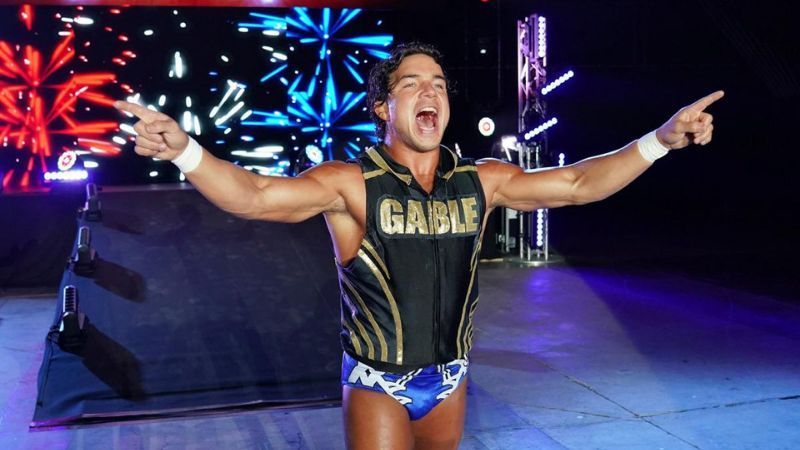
(636, 64)
(725, 211)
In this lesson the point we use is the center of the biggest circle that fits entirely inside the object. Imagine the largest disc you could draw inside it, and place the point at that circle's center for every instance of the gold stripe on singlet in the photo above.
(380, 162)
(361, 330)
(353, 338)
(398, 324)
(377, 258)
(372, 322)
(373, 173)
(470, 327)
(455, 163)
(473, 266)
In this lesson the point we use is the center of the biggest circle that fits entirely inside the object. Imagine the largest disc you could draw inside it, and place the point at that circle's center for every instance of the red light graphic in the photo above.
(39, 100)
(26, 16)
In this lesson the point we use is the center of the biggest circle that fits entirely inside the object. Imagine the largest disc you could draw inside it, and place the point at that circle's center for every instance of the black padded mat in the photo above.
(192, 309)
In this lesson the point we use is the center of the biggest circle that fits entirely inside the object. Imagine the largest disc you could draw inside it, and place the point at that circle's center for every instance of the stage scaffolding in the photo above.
(530, 151)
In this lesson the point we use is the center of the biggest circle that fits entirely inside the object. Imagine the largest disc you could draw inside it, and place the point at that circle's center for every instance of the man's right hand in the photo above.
(159, 136)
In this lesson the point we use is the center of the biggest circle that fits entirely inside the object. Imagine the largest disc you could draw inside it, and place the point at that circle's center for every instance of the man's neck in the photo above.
(420, 163)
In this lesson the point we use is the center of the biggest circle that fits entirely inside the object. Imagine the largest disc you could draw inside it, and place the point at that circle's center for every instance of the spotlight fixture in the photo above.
(84, 261)
(91, 209)
(486, 126)
(71, 328)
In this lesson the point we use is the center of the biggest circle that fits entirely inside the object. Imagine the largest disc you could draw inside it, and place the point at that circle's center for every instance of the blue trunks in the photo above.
(419, 391)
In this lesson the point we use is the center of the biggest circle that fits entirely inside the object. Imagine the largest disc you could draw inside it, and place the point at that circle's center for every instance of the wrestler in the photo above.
(406, 219)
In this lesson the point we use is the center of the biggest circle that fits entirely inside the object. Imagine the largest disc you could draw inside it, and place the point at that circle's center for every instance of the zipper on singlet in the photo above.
(437, 289)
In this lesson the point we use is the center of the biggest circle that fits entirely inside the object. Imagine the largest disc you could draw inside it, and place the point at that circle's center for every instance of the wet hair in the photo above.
(379, 87)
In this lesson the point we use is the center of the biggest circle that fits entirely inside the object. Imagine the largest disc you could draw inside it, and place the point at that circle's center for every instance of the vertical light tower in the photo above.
(531, 148)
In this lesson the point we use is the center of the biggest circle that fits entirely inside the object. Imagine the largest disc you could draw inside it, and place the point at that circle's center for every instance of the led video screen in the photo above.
(275, 90)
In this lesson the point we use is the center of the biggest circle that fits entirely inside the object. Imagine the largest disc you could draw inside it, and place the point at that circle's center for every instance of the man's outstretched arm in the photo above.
(595, 178)
(230, 187)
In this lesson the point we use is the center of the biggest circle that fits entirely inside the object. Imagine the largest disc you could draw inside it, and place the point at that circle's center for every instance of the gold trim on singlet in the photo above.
(380, 162)
(373, 173)
(470, 326)
(455, 164)
(374, 254)
(361, 329)
(465, 169)
(353, 338)
(398, 325)
(372, 322)
(473, 266)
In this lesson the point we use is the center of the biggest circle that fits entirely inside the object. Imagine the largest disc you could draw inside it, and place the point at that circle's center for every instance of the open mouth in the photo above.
(427, 119)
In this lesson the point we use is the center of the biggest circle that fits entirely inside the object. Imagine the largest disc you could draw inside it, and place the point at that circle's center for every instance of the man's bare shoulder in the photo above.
(494, 174)
(343, 179)
(334, 172)
(493, 169)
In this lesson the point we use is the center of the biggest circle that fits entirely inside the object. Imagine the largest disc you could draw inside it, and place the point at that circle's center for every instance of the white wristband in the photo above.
(650, 148)
(190, 158)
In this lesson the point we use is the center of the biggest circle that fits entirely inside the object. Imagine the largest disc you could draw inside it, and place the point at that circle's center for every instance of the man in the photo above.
(406, 220)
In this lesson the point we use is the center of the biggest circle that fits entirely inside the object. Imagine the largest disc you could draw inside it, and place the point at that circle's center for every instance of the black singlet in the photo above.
(409, 295)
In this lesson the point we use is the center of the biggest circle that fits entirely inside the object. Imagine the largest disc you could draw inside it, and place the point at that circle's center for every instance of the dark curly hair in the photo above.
(379, 87)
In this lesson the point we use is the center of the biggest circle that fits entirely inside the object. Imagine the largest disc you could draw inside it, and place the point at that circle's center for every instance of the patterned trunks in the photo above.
(419, 391)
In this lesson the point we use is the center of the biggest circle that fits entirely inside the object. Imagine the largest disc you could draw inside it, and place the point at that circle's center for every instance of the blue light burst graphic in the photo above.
(324, 74)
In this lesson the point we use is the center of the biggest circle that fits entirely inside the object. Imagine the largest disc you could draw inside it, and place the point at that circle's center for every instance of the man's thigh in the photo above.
(442, 427)
(375, 421)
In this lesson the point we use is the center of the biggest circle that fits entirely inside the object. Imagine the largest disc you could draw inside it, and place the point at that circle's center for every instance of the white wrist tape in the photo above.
(650, 148)
(190, 158)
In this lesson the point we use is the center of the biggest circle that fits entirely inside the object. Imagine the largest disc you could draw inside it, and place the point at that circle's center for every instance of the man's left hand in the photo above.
(691, 124)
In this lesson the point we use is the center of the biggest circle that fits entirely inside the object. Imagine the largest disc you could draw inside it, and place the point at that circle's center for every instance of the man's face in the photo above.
(417, 109)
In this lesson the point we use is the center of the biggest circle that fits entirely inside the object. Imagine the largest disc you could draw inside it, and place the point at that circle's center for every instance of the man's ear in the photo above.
(381, 110)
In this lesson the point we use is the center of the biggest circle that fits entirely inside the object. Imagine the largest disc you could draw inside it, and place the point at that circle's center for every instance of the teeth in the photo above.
(429, 109)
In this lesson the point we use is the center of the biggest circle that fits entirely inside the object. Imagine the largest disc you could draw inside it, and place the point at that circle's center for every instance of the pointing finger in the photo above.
(706, 101)
(137, 110)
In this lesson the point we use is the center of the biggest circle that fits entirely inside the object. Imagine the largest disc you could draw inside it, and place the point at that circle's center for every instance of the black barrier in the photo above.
(192, 310)
(37, 229)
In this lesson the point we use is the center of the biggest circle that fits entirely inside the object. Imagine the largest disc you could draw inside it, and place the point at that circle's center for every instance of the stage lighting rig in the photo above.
(558, 82)
(71, 327)
(84, 261)
(91, 209)
(530, 238)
